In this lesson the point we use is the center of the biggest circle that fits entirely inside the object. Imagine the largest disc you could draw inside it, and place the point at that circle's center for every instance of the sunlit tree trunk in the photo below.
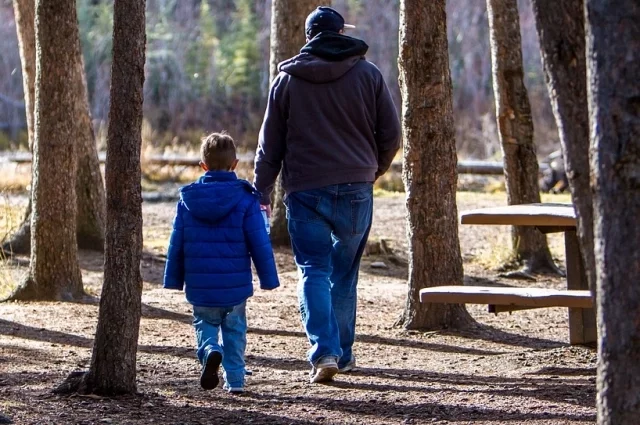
(89, 184)
(515, 128)
(560, 26)
(54, 273)
(24, 11)
(429, 162)
(113, 364)
(613, 69)
(287, 38)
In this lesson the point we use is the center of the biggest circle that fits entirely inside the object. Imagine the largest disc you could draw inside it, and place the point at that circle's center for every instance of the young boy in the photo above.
(218, 229)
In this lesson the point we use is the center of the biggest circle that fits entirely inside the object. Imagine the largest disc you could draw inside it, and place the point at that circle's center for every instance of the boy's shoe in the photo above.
(349, 366)
(209, 376)
(324, 370)
(233, 390)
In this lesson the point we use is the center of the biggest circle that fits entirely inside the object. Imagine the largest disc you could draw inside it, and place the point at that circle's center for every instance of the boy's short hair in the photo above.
(218, 151)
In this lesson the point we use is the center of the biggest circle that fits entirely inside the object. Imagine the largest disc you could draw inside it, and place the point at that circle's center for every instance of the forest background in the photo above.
(207, 69)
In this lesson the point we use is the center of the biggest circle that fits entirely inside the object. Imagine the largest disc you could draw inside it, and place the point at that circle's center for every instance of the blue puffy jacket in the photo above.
(217, 230)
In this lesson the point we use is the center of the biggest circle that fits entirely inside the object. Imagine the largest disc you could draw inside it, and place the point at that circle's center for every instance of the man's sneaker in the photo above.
(233, 390)
(349, 366)
(209, 377)
(324, 370)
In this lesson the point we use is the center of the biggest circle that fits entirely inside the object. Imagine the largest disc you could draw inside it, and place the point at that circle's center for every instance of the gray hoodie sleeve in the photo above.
(388, 133)
(272, 140)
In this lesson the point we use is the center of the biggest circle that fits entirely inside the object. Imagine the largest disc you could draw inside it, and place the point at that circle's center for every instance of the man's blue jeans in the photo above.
(329, 228)
(223, 329)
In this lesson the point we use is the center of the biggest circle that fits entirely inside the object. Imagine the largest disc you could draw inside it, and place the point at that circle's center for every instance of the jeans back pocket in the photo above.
(361, 210)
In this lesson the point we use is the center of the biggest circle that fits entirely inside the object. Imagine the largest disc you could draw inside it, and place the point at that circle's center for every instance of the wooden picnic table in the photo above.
(549, 218)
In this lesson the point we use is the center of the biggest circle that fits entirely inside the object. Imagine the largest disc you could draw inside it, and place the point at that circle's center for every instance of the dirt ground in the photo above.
(512, 368)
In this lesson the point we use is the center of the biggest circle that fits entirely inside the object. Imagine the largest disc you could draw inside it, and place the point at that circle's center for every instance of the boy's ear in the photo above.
(204, 166)
(234, 165)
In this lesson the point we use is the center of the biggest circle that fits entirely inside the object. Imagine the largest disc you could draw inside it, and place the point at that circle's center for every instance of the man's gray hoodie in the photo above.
(329, 120)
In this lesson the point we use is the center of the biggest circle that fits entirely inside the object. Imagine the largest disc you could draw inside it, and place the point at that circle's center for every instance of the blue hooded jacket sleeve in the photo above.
(260, 247)
(174, 268)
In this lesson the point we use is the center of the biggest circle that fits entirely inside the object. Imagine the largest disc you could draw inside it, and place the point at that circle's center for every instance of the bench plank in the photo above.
(531, 297)
(545, 214)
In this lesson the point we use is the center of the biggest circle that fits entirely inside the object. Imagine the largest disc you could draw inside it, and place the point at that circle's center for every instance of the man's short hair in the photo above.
(218, 151)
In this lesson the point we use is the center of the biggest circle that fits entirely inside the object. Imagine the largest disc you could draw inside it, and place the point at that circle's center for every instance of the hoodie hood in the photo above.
(325, 58)
(214, 195)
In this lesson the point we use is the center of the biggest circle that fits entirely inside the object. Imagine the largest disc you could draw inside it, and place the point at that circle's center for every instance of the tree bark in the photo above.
(515, 129)
(113, 363)
(54, 273)
(89, 184)
(24, 11)
(560, 26)
(429, 162)
(613, 68)
(287, 38)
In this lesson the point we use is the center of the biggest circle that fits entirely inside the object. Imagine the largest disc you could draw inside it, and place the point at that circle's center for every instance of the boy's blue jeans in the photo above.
(329, 228)
(223, 329)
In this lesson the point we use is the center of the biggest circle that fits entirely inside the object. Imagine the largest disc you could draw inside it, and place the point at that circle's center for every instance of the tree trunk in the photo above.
(89, 184)
(113, 364)
(613, 63)
(54, 273)
(515, 128)
(24, 11)
(429, 162)
(287, 38)
(560, 26)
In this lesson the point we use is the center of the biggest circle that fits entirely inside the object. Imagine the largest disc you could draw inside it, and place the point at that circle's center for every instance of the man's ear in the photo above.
(204, 166)
(234, 165)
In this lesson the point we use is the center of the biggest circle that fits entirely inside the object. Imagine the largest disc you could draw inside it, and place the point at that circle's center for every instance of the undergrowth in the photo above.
(10, 215)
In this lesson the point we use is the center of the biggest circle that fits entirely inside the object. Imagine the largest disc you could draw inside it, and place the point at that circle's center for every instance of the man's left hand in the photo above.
(266, 208)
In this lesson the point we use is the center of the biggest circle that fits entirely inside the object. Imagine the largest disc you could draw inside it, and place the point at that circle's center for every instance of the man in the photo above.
(332, 127)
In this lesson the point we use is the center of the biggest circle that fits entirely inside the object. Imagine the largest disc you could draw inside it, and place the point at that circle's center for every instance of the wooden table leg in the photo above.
(582, 321)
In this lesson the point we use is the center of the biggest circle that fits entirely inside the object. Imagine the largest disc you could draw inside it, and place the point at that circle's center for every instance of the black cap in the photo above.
(324, 19)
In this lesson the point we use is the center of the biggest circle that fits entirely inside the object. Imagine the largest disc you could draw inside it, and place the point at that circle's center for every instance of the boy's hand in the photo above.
(266, 208)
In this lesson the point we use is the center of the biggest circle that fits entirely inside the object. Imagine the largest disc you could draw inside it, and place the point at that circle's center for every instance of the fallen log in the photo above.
(464, 167)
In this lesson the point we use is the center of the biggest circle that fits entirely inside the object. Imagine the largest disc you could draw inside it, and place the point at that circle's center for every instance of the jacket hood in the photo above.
(325, 58)
(214, 195)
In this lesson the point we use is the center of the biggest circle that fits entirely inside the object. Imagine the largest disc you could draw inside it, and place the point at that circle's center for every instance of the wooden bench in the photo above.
(509, 298)
(548, 218)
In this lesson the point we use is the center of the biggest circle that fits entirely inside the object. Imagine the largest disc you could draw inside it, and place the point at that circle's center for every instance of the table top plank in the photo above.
(543, 214)
(533, 297)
